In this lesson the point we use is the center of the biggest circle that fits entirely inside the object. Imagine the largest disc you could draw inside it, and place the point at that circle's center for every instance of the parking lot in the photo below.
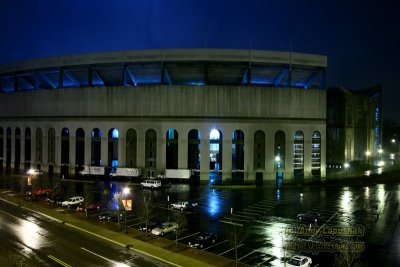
(269, 214)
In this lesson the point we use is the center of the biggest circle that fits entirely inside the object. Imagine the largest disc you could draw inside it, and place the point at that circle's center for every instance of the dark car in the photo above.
(110, 216)
(309, 217)
(202, 240)
(88, 207)
(150, 226)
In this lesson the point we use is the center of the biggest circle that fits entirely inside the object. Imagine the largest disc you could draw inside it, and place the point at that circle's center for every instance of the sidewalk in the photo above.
(156, 247)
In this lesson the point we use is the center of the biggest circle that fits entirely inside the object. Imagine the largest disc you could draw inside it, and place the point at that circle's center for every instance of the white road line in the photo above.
(244, 212)
(230, 250)
(243, 216)
(235, 219)
(216, 244)
(255, 210)
(247, 255)
(189, 236)
(115, 263)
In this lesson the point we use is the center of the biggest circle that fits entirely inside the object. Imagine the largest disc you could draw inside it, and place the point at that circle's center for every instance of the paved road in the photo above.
(56, 245)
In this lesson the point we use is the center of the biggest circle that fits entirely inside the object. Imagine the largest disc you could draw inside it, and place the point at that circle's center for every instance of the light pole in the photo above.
(125, 192)
(367, 154)
(346, 166)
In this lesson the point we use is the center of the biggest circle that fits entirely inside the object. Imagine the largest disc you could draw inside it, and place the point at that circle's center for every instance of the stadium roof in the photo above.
(167, 66)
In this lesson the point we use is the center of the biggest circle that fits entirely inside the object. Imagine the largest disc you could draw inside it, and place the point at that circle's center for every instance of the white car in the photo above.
(183, 205)
(164, 228)
(73, 201)
(299, 261)
(151, 184)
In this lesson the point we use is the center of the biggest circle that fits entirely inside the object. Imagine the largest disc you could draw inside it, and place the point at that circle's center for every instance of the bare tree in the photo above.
(236, 234)
(349, 254)
(148, 209)
(181, 221)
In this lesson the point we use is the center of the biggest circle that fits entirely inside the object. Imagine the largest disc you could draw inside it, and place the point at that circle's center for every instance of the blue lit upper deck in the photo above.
(168, 67)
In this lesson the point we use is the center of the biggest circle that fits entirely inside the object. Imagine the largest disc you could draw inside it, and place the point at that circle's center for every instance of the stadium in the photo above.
(226, 115)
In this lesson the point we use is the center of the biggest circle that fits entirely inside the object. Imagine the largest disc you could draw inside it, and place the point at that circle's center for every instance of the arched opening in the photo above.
(259, 156)
(237, 157)
(194, 153)
(113, 135)
(17, 155)
(64, 153)
(171, 149)
(1, 149)
(28, 147)
(39, 148)
(280, 157)
(298, 155)
(96, 147)
(79, 151)
(215, 156)
(131, 147)
(51, 150)
(151, 153)
(8, 150)
(316, 154)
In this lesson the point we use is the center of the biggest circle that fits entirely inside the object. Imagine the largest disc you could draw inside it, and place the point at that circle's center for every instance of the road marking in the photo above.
(58, 261)
(243, 216)
(235, 219)
(115, 263)
(250, 213)
(237, 224)
(216, 244)
(247, 255)
(10, 215)
(188, 236)
(230, 250)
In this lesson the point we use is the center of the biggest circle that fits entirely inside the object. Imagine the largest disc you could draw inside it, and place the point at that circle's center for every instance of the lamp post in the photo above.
(125, 192)
(346, 165)
(367, 154)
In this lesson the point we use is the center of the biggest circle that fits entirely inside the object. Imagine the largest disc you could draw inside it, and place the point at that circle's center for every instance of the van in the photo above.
(151, 184)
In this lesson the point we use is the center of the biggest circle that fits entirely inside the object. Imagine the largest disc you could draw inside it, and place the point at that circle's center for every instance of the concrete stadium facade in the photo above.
(268, 117)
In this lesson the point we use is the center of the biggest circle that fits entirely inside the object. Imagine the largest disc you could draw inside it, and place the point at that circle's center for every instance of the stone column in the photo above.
(72, 154)
(307, 154)
(45, 150)
(248, 155)
(88, 147)
(226, 154)
(270, 164)
(204, 154)
(183, 149)
(122, 148)
(104, 148)
(12, 148)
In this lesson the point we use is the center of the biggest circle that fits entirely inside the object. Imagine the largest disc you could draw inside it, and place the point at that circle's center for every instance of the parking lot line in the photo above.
(234, 219)
(216, 244)
(247, 255)
(243, 216)
(244, 212)
(261, 211)
(189, 236)
(230, 250)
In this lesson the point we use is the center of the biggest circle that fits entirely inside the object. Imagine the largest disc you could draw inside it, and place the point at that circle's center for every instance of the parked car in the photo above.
(152, 184)
(299, 261)
(150, 226)
(38, 193)
(202, 240)
(165, 228)
(183, 205)
(88, 207)
(73, 201)
(309, 217)
(110, 216)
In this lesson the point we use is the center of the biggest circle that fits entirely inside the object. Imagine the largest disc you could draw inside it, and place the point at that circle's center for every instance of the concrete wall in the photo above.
(167, 101)
(180, 107)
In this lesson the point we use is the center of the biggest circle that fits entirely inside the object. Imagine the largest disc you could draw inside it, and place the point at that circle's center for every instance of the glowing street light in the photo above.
(126, 192)
(346, 166)
(368, 154)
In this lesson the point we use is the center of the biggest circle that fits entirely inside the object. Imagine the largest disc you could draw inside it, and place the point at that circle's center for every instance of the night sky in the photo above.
(360, 38)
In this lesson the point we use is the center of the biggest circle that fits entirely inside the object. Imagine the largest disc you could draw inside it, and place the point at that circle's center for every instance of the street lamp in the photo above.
(346, 166)
(126, 192)
(367, 154)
